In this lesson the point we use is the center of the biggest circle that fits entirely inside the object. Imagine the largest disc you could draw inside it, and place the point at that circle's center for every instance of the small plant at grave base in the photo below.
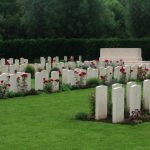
(106, 63)
(30, 69)
(47, 85)
(103, 79)
(50, 84)
(123, 79)
(81, 82)
(65, 87)
(4, 86)
(22, 83)
(138, 116)
(81, 116)
(148, 76)
(92, 105)
(32, 92)
(141, 75)
(11, 94)
(93, 82)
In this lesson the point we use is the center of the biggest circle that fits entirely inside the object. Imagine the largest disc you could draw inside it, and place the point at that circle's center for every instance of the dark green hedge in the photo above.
(88, 48)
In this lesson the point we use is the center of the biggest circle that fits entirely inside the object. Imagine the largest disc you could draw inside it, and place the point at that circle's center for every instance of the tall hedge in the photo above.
(88, 48)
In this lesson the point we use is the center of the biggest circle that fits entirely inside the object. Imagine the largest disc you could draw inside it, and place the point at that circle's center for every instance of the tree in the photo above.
(138, 18)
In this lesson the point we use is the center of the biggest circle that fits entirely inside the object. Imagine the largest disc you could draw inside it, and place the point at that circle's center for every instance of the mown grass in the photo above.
(46, 122)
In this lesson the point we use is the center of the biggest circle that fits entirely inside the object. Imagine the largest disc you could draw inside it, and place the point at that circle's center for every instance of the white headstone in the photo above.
(146, 94)
(135, 98)
(118, 105)
(101, 102)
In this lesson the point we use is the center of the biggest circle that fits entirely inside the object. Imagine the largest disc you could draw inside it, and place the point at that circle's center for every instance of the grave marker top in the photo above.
(127, 54)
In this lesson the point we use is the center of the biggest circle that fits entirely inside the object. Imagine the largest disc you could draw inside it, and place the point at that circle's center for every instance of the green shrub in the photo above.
(92, 104)
(81, 116)
(32, 92)
(148, 76)
(88, 48)
(11, 94)
(48, 88)
(65, 87)
(30, 69)
(93, 82)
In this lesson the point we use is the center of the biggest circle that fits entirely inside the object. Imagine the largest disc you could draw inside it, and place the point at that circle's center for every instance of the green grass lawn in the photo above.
(46, 122)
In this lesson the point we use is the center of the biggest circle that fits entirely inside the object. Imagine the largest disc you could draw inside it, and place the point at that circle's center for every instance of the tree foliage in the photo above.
(74, 19)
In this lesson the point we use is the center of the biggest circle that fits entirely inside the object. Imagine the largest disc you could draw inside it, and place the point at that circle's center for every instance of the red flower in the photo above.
(45, 81)
(82, 74)
(102, 77)
(57, 80)
(106, 61)
(51, 80)
(6, 62)
(8, 85)
(25, 75)
(2, 81)
(146, 69)
(18, 78)
(122, 70)
(59, 72)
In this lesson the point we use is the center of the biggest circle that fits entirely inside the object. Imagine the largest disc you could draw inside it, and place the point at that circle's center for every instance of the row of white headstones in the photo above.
(133, 100)
(20, 65)
(92, 73)
(11, 79)
(71, 77)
